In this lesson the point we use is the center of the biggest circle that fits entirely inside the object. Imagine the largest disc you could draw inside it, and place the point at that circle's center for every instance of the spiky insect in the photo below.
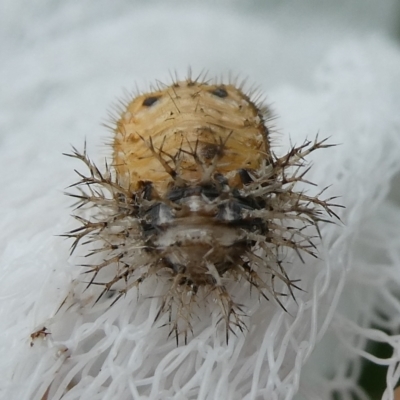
(195, 193)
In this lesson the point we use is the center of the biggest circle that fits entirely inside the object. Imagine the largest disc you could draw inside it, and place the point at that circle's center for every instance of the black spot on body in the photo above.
(210, 191)
(147, 190)
(220, 92)
(250, 202)
(220, 179)
(176, 193)
(244, 176)
(210, 150)
(231, 213)
(156, 218)
(179, 193)
(149, 101)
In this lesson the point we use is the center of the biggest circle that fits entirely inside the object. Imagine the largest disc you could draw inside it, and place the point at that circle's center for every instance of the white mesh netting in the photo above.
(64, 74)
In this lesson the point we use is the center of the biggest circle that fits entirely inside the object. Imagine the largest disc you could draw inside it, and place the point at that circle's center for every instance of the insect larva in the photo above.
(195, 193)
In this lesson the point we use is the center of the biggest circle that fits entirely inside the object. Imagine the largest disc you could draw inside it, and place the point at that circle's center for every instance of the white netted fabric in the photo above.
(350, 295)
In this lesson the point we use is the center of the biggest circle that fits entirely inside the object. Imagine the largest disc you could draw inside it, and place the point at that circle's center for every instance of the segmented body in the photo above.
(195, 192)
(199, 130)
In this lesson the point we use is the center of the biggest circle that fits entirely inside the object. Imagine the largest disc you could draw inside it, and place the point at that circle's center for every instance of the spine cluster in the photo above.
(200, 236)
(195, 195)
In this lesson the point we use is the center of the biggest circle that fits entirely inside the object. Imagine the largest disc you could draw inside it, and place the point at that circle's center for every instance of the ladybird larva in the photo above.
(195, 194)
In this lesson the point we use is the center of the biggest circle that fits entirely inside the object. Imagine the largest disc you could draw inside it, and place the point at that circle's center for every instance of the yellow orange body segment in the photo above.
(181, 128)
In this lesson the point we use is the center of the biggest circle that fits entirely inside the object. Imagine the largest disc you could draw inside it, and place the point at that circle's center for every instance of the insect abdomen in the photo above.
(195, 128)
